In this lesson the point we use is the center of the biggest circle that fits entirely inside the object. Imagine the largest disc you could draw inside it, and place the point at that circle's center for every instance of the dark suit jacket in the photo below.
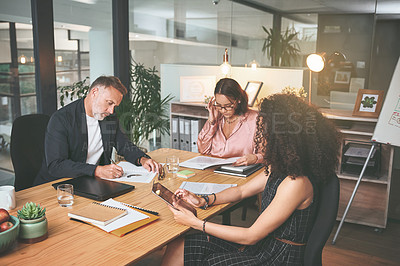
(66, 144)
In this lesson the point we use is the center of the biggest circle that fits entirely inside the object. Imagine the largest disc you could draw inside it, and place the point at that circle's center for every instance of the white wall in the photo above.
(274, 79)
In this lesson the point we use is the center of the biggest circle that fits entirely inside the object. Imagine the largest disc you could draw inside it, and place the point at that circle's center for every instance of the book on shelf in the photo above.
(97, 213)
(359, 151)
(360, 161)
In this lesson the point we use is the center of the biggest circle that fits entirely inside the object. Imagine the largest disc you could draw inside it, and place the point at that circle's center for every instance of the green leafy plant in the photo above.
(281, 48)
(31, 211)
(144, 110)
(78, 89)
(368, 102)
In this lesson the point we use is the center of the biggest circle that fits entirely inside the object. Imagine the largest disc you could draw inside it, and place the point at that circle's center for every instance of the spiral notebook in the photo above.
(97, 214)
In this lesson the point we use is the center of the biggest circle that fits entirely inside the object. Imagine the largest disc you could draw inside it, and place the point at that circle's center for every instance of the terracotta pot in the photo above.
(33, 231)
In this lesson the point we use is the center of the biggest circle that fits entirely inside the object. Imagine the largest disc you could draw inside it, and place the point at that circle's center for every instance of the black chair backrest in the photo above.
(27, 148)
(324, 222)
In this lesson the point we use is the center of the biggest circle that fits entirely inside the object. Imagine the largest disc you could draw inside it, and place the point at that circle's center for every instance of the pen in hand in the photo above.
(119, 168)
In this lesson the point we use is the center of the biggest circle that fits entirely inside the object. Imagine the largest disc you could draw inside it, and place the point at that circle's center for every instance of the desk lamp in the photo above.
(316, 63)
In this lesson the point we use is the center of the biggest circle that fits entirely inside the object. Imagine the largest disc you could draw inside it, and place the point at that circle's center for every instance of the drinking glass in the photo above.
(172, 163)
(65, 195)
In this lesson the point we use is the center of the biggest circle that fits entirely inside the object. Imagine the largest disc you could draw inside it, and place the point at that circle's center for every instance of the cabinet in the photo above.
(370, 204)
(187, 119)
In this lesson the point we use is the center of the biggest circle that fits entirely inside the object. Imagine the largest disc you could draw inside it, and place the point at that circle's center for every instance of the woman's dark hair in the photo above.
(232, 90)
(296, 139)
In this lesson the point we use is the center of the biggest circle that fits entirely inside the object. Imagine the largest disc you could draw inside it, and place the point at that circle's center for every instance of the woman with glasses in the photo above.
(231, 125)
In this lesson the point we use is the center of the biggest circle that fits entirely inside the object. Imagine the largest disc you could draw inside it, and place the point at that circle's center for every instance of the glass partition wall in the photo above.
(160, 32)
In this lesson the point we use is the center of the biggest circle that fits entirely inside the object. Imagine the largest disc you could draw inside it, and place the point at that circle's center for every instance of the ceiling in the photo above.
(327, 6)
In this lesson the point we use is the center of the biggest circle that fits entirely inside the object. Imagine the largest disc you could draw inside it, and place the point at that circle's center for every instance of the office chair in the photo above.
(27, 148)
(326, 217)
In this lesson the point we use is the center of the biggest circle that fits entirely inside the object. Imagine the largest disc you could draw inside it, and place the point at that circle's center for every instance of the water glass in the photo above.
(65, 195)
(172, 163)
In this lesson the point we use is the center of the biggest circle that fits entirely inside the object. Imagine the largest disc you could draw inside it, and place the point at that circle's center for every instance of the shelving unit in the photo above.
(370, 204)
(187, 111)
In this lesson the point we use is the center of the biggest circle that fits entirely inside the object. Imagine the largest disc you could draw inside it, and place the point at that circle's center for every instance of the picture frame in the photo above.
(368, 103)
(342, 77)
(196, 88)
(252, 89)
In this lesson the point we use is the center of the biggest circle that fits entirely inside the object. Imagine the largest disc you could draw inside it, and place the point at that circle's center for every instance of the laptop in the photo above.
(96, 188)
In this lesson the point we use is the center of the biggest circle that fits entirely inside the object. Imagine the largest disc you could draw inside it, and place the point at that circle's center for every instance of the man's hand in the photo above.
(150, 165)
(108, 171)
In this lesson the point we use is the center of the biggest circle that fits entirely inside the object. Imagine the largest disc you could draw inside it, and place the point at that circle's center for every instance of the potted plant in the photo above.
(281, 48)
(143, 113)
(33, 223)
(78, 89)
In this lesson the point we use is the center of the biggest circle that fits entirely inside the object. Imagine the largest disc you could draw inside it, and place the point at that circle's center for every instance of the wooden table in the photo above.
(72, 242)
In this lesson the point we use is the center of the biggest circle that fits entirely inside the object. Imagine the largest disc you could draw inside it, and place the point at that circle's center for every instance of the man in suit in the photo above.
(80, 137)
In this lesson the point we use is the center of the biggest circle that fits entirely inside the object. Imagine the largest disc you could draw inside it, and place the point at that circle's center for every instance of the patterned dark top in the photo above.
(268, 251)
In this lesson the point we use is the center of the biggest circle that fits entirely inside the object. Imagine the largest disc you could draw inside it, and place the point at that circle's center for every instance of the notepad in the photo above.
(185, 174)
(97, 214)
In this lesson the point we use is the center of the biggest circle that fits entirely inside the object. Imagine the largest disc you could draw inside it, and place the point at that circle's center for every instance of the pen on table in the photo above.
(135, 207)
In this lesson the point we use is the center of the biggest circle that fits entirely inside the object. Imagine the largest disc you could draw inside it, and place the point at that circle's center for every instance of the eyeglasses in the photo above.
(227, 108)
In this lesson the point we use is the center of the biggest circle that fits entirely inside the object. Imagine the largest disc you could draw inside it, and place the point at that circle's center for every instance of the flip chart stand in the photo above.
(354, 192)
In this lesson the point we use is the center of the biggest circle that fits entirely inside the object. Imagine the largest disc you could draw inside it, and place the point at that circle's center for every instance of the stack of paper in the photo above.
(205, 188)
(203, 162)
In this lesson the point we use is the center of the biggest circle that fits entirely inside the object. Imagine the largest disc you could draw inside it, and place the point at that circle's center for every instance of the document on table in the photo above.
(203, 162)
(133, 173)
(205, 188)
(131, 217)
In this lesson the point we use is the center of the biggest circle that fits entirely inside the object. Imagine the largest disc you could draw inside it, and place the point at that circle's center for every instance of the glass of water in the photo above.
(172, 163)
(65, 195)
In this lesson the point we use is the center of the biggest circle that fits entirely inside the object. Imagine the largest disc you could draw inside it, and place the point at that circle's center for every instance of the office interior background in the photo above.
(177, 32)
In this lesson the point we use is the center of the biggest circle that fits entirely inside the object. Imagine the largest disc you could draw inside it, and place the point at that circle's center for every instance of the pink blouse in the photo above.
(212, 140)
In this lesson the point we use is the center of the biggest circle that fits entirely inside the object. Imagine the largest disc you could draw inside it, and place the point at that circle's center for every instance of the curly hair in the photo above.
(232, 90)
(296, 139)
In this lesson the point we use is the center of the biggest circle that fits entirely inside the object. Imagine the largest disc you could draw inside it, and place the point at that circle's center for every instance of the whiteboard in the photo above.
(387, 129)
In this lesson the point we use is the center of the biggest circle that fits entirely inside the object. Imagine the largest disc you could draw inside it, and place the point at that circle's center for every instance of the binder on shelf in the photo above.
(182, 144)
(196, 126)
(187, 123)
(175, 133)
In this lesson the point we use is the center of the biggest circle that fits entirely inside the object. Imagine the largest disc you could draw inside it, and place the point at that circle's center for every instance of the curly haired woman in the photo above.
(300, 147)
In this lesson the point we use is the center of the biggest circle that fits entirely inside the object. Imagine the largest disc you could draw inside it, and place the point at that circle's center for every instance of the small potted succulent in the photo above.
(33, 223)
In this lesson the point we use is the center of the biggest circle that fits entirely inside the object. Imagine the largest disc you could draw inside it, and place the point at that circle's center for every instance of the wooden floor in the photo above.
(355, 245)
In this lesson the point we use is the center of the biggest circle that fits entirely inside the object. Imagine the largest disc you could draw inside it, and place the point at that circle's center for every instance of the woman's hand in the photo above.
(248, 159)
(189, 197)
(182, 215)
(213, 113)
